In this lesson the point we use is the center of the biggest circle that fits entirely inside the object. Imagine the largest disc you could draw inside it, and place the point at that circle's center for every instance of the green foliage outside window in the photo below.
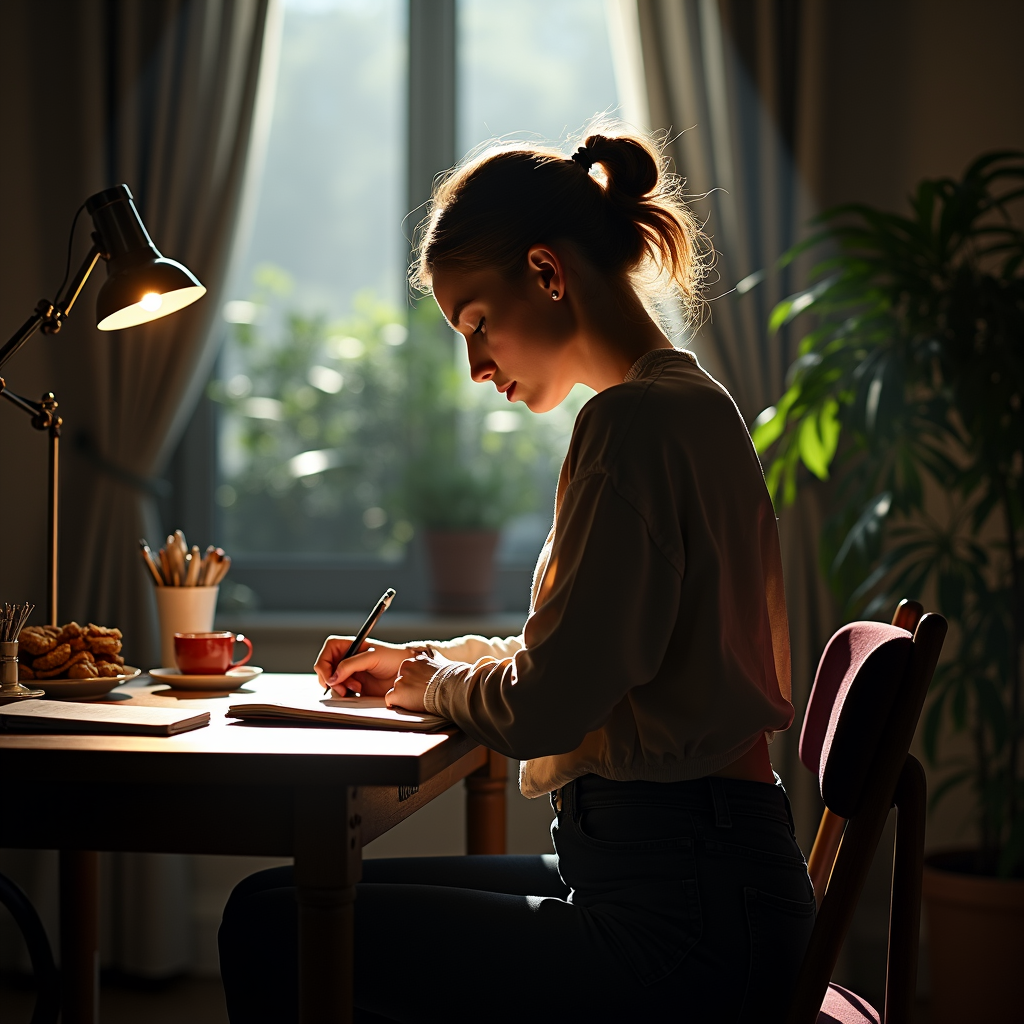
(345, 437)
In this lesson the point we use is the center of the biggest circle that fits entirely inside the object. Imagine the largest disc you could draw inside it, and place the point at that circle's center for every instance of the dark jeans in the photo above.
(684, 901)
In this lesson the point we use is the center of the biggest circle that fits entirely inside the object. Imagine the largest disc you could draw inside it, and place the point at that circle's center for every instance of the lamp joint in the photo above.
(51, 316)
(97, 240)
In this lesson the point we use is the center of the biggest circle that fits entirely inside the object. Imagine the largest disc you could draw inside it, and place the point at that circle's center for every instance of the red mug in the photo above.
(208, 654)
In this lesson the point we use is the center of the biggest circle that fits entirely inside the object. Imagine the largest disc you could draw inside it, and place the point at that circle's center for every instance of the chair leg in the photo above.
(44, 970)
(905, 907)
(823, 853)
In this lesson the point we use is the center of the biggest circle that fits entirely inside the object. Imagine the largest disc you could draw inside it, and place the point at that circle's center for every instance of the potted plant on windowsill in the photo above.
(911, 387)
(461, 510)
(461, 483)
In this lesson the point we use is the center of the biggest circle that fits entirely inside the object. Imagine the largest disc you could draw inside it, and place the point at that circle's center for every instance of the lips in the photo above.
(507, 389)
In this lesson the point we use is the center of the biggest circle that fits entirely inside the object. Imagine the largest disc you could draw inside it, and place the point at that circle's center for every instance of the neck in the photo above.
(614, 331)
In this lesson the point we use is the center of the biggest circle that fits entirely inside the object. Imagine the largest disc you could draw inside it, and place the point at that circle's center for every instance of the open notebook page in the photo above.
(358, 712)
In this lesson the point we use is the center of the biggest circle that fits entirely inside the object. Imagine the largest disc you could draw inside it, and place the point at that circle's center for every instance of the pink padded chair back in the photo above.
(853, 691)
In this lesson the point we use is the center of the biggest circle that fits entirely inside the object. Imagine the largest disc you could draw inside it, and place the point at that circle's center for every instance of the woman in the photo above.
(653, 665)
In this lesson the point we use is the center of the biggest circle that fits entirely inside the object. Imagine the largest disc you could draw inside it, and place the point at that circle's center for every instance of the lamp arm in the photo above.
(44, 413)
(49, 316)
(44, 417)
(92, 257)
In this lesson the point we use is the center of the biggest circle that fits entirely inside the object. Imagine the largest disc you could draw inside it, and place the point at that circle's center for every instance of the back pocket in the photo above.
(780, 930)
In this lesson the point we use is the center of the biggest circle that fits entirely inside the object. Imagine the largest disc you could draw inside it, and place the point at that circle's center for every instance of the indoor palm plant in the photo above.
(909, 389)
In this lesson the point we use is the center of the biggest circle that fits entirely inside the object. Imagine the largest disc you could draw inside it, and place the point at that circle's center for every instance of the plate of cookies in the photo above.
(72, 660)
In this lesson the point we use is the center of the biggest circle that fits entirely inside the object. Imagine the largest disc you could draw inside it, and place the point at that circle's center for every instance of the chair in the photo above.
(867, 698)
(47, 977)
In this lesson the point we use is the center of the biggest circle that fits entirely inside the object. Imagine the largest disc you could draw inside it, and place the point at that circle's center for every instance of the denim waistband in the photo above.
(717, 796)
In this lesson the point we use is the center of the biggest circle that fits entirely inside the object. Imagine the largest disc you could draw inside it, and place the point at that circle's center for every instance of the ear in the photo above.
(546, 271)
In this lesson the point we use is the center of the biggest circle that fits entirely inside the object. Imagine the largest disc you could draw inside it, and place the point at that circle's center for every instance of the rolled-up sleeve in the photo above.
(601, 622)
(472, 647)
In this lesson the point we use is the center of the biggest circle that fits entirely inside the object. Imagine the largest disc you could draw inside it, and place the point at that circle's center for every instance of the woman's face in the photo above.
(518, 336)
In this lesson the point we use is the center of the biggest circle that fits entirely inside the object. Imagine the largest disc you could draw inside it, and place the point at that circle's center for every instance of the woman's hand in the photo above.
(413, 676)
(372, 671)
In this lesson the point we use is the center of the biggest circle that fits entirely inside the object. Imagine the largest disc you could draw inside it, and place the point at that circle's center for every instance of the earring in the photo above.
(554, 295)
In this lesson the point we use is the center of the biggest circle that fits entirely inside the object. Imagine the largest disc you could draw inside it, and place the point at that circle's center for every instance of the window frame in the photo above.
(313, 582)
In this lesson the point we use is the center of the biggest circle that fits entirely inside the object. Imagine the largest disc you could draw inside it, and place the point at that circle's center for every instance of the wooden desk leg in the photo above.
(486, 811)
(328, 863)
(79, 936)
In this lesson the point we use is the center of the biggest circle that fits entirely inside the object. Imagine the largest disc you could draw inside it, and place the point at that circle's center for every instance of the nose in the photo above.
(481, 367)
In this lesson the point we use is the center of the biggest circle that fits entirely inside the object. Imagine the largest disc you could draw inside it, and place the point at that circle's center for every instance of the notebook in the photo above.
(64, 716)
(357, 712)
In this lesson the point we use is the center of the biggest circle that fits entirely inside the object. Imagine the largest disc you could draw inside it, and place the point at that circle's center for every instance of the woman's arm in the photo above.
(604, 614)
(374, 669)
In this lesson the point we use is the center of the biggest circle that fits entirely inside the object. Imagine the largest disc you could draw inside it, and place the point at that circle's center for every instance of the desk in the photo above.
(313, 794)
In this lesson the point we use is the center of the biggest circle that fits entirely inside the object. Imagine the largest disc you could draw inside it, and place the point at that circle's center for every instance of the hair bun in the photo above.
(631, 170)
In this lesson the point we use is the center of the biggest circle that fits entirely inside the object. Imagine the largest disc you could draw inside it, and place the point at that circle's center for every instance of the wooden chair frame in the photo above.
(842, 852)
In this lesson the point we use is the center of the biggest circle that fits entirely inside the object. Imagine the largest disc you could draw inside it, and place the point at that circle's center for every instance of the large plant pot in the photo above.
(975, 941)
(462, 570)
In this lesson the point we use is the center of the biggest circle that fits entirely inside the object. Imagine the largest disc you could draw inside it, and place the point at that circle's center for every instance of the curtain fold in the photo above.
(734, 85)
(179, 88)
(170, 97)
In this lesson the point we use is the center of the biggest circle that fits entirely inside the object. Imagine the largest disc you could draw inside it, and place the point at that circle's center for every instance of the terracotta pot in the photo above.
(462, 570)
(975, 942)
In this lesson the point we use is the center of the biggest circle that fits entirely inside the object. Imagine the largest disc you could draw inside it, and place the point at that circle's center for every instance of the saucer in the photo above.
(230, 680)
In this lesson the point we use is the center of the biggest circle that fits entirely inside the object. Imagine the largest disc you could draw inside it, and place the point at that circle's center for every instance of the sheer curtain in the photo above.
(735, 86)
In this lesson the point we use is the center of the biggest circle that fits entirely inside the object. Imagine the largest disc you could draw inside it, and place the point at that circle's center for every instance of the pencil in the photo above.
(371, 620)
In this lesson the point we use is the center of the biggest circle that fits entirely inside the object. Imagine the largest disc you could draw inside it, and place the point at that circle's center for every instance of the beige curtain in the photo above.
(179, 87)
(735, 85)
(173, 98)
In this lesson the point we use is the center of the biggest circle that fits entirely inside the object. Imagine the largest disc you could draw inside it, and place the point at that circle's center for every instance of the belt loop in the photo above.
(789, 811)
(723, 819)
(571, 799)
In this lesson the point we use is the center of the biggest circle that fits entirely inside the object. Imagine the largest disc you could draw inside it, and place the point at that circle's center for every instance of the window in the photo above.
(319, 384)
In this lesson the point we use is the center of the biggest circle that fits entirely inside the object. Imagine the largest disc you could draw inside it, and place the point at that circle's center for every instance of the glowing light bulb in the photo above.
(151, 302)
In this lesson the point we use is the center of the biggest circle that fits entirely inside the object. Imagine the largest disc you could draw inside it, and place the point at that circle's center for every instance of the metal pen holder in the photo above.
(10, 688)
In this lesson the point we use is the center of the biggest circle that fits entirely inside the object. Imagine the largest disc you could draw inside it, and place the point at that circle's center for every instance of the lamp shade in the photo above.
(142, 284)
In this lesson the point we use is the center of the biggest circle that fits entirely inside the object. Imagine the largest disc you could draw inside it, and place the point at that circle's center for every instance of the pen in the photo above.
(371, 620)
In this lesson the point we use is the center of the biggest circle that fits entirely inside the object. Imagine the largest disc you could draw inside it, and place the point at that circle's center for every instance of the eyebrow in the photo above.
(457, 311)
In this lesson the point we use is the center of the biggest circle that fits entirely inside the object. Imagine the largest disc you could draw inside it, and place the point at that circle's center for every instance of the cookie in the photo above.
(61, 670)
(109, 668)
(24, 672)
(34, 640)
(69, 632)
(101, 658)
(77, 644)
(52, 658)
(83, 670)
(104, 644)
(93, 630)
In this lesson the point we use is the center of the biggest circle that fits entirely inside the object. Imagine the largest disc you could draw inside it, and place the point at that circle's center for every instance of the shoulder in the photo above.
(672, 408)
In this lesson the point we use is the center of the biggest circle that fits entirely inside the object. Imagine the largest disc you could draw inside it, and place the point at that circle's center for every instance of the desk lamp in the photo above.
(141, 285)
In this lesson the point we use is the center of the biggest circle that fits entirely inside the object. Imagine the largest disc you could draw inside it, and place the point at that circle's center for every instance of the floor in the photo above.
(186, 1001)
(191, 1000)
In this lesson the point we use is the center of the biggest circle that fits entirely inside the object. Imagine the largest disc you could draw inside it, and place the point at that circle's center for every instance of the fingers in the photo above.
(411, 682)
(367, 661)
(331, 653)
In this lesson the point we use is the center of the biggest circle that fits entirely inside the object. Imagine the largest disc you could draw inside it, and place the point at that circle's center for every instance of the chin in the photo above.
(544, 400)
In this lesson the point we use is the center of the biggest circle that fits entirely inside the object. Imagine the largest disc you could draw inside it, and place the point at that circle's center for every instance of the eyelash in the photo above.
(480, 326)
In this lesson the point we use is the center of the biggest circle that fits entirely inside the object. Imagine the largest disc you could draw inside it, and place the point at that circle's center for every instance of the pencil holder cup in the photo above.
(183, 610)
(10, 688)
